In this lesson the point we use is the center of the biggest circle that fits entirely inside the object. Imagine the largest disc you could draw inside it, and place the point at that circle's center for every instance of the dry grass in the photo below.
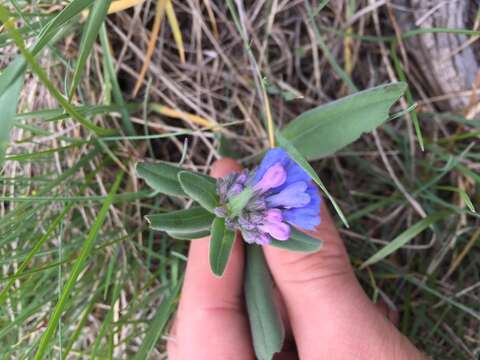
(383, 182)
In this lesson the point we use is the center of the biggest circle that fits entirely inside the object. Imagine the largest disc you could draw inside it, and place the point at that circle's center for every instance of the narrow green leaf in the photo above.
(96, 17)
(199, 189)
(328, 128)
(463, 194)
(408, 93)
(73, 9)
(69, 108)
(303, 163)
(163, 177)
(8, 104)
(405, 237)
(76, 270)
(329, 56)
(266, 324)
(35, 249)
(300, 242)
(157, 325)
(221, 244)
(117, 92)
(188, 235)
(189, 220)
(17, 67)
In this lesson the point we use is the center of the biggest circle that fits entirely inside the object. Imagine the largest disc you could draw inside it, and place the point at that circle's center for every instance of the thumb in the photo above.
(320, 290)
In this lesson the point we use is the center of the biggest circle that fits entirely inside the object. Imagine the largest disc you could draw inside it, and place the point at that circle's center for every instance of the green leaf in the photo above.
(199, 189)
(405, 237)
(303, 163)
(163, 177)
(189, 220)
(221, 244)
(96, 17)
(328, 128)
(76, 270)
(266, 324)
(8, 104)
(157, 325)
(188, 235)
(300, 242)
(225, 148)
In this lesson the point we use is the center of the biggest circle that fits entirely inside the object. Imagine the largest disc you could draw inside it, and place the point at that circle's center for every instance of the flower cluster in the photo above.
(265, 202)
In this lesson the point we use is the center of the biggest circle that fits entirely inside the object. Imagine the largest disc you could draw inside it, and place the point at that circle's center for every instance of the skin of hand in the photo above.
(323, 305)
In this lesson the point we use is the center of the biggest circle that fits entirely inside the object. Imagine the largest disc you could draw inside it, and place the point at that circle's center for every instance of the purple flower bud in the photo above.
(277, 230)
(234, 190)
(273, 177)
(258, 204)
(242, 177)
(230, 223)
(220, 211)
(246, 223)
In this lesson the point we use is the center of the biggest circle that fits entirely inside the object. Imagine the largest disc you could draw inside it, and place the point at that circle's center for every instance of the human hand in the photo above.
(326, 312)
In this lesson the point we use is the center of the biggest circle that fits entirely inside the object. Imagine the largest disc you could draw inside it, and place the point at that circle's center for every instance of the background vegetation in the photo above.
(83, 277)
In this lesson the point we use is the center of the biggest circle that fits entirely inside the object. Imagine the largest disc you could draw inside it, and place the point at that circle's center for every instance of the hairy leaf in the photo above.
(188, 220)
(221, 244)
(327, 128)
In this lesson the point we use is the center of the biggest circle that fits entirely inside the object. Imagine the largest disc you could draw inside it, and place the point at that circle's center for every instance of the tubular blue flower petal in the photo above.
(274, 215)
(272, 178)
(307, 217)
(293, 196)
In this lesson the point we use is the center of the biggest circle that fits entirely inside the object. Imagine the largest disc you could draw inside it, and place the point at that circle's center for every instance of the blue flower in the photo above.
(302, 214)
(278, 194)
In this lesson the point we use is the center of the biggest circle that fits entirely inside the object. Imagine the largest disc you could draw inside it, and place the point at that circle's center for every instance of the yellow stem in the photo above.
(177, 114)
(121, 5)
(151, 44)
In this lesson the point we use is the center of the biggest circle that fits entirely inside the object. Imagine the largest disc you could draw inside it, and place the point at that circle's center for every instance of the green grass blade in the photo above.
(73, 9)
(326, 51)
(96, 17)
(49, 32)
(405, 237)
(408, 95)
(8, 104)
(157, 326)
(117, 92)
(76, 270)
(69, 108)
(36, 248)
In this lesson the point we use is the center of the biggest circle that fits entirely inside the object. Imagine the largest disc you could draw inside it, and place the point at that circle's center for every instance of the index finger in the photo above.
(211, 323)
